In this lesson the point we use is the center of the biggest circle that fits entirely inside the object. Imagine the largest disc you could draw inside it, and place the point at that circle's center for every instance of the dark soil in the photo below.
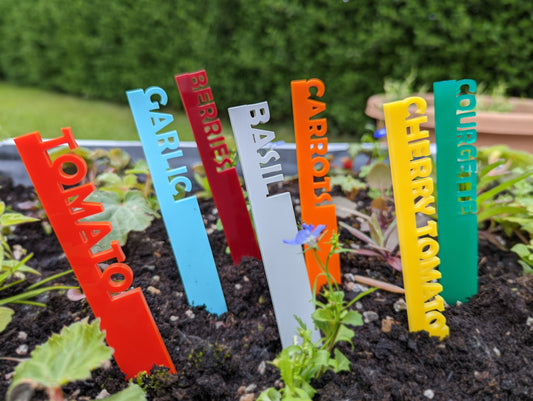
(488, 355)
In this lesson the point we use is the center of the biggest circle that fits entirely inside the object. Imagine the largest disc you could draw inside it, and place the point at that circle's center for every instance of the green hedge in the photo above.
(253, 49)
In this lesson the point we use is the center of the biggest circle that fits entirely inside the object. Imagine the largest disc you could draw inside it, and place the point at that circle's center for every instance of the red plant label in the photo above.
(221, 175)
(125, 315)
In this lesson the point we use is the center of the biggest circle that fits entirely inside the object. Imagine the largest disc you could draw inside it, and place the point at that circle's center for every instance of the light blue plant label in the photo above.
(274, 220)
(181, 216)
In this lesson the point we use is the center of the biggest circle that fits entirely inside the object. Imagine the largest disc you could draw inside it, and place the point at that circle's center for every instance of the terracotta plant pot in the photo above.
(514, 128)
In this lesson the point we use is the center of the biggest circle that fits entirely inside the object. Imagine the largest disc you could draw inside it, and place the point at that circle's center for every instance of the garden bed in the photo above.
(488, 355)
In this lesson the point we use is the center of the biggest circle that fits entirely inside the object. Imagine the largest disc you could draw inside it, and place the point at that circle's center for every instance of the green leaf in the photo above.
(118, 158)
(348, 183)
(306, 393)
(527, 268)
(19, 266)
(65, 357)
(341, 362)
(345, 334)
(132, 393)
(353, 318)
(2, 256)
(321, 358)
(521, 250)
(496, 190)
(286, 366)
(270, 394)
(525, 222)
(11, 219)
(484, 173)
(379, 177)
(24, 296)
(6, 315)
(375, 230)
(322, 315)
(109, 179)
(498, 211)
(337, 297)
(130, 181)
(133, 214)
(140, 167)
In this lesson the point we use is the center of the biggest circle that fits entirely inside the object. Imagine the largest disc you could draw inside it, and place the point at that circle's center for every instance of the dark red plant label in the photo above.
(221, 175)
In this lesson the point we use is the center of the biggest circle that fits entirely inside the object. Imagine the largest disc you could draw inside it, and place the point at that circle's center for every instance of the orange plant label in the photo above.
(313, 167)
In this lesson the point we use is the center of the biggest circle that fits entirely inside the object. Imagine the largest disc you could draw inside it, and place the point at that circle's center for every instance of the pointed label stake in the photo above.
(274, 221)
(182, 216)
(413, 193)
(313, 167)
(455, 134)
(130, 327)
(221, 175)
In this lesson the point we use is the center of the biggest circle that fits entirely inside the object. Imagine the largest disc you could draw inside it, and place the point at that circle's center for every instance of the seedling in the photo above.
(13, 268)
(526, 256)
(381, 242)
(504, 194)
(306, 360)
(129, 203)
(128, 213)
(63, 358)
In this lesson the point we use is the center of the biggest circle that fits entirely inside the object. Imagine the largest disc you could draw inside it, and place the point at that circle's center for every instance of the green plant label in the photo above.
(455, 133)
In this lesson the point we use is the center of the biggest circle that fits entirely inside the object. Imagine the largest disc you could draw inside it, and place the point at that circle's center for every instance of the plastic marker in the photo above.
(221, 175)
(182, 216)
(413, 193)
(274, 221)
(313, 167)
(456, 188)
(124, 313)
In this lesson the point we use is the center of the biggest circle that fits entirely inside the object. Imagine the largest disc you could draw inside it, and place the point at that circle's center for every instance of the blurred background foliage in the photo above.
(252, 49)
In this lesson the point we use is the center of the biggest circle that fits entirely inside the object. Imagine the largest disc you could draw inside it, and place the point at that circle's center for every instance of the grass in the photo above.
(24, 110)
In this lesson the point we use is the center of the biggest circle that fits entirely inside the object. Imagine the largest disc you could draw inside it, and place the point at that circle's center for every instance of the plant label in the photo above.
(216, 159)
(274, 221)
(125, 316)
(411, 168)
(313, 167)
(182, 216)
(455, 133)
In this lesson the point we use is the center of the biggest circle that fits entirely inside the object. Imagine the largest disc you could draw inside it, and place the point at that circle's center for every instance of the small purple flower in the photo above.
(307, 235)
(380, 133)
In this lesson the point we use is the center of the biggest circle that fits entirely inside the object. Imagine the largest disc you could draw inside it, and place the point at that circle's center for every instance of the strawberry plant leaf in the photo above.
(65, 357)
(131, 214)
